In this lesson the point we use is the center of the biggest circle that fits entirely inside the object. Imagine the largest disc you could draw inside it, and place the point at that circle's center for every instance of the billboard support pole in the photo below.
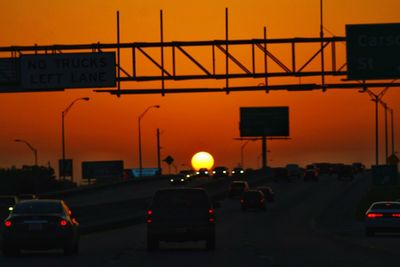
(264, 152)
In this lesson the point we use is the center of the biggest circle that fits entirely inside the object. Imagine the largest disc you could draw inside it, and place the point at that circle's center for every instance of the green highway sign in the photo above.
(373, 51)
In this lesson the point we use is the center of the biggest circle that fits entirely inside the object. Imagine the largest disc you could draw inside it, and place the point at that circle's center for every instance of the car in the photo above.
(7, 203)
(324, 168)
(268, 193)
(179, 215)
(178, 179)
(311, 173)
(237, 172)
(253, 199)
(203, 172)
(294, 170)
(188, 174)
(358, 167)
(40, 224)
(237, 188)
(382, 216)
(345, 172)
(281, 174)
(220, 171)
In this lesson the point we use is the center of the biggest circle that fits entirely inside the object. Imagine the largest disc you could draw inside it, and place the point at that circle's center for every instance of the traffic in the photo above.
(272, 211)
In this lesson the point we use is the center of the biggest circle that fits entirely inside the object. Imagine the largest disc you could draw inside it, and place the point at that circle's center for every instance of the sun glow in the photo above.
(202, 160)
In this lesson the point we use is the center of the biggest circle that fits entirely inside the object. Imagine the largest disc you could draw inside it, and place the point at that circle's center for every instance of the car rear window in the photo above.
(237, 185)
(180, 199)
(251, 195)
(386, 206)
(36, 207)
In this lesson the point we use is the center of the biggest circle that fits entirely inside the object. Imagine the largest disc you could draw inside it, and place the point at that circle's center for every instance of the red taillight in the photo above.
(63, 223)
(397, 215)
(149, 219)
(7, 223)
(374, 215)
(211, 213)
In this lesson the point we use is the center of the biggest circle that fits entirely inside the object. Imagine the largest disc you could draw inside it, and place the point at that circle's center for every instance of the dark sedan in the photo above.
(40, 225)
(253, 199)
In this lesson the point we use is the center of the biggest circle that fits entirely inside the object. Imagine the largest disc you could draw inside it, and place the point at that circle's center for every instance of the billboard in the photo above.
(103, 170)
(373, 51)
(264, 121)
(75, 70)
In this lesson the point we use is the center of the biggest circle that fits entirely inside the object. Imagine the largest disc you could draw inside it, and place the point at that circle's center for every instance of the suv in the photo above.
(178, 215)
(237, 188)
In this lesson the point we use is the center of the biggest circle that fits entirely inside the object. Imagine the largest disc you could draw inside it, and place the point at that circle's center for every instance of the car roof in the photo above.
(386, 202)
(42, 201)
(378, 205)
(239, 182)
(7, 196)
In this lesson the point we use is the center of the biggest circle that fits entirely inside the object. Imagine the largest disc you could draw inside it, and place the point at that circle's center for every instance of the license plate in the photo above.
(35, 227)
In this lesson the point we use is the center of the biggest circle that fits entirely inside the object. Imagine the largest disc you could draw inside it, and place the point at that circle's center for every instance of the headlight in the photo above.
(182, 180)
(206, 172)
(10, 208)
(214, 172)
(224, 171)
(241, 171)
(172, 180)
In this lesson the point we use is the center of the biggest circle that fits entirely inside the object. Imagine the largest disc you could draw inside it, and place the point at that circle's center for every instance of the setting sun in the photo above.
(202, 160)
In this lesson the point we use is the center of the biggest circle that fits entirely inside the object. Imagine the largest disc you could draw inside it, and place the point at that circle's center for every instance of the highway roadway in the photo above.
(299, 229)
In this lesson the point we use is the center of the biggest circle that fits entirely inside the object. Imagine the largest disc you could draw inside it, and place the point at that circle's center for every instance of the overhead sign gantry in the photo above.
(98, 65)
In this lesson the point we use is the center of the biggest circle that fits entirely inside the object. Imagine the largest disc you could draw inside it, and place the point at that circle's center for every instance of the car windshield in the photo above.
(37, 207)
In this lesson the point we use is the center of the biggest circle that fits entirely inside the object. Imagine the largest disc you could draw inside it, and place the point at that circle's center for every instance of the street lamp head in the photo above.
(85, 98)
(17, 140)
(157, 106)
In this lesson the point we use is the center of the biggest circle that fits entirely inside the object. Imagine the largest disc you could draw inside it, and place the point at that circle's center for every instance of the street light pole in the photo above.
(140, 137)
(376, 98)
(385, 106)
(392, 121)
(34, 150)
(63, 114)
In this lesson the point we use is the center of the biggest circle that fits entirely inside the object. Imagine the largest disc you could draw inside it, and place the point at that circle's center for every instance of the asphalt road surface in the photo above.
(297, 230)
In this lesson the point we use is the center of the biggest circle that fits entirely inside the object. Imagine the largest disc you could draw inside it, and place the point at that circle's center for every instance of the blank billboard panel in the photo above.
(264, 121)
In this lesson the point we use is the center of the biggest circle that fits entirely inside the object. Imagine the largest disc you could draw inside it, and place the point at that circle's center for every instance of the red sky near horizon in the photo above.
(334, 126)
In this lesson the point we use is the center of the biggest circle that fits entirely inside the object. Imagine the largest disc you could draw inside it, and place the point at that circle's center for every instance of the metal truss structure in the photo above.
(219, 60)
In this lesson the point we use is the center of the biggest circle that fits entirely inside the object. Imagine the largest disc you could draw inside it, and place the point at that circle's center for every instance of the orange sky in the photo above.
(336, 126)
